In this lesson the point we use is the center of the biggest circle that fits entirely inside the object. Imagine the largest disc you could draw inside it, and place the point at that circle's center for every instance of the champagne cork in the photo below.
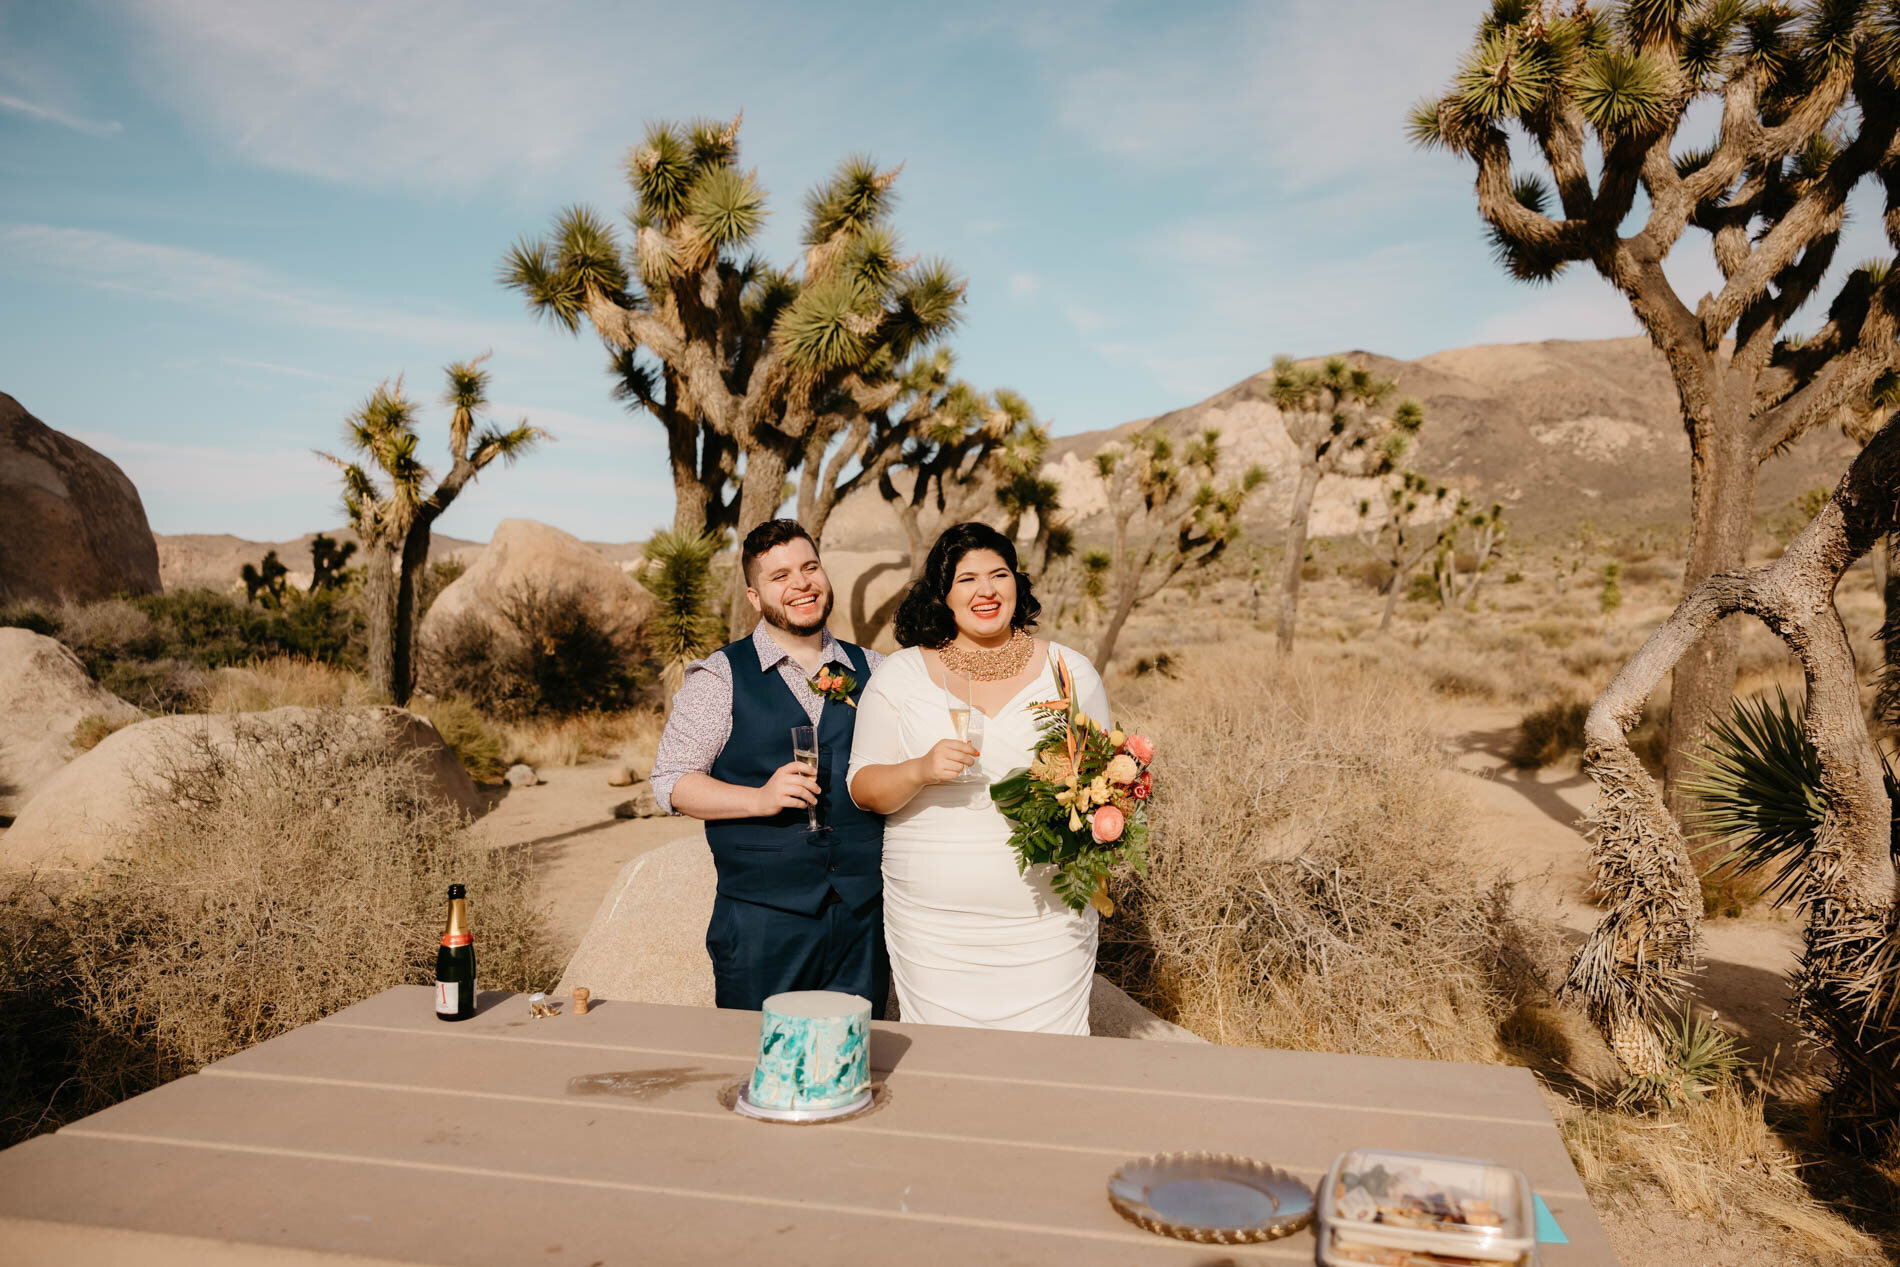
(580, 1000)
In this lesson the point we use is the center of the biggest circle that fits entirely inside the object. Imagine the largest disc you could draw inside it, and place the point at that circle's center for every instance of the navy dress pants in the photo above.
(758, 951)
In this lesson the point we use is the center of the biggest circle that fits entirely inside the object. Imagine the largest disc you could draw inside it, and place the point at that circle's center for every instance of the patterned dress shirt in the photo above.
(702, 711)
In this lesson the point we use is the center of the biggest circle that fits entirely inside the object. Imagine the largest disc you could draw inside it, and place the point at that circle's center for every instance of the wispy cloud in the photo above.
(107, 261)
(429, 94)
(159, 469)
(59, 118)
(1023, 285)
(286, 371)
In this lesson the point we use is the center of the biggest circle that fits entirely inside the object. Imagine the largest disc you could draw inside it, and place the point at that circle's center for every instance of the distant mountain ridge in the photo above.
(1557, 432)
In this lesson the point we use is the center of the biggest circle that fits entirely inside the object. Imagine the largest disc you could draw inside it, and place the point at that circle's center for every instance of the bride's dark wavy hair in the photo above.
(924, 619)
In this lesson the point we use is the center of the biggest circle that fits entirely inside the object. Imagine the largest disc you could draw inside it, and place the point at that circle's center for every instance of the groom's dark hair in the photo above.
(768, 536)
(924, 619)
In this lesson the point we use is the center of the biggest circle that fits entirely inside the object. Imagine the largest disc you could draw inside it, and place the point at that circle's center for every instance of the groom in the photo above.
(797, 909)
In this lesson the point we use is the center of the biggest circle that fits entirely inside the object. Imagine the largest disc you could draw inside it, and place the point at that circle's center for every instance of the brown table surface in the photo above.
(383, 1135)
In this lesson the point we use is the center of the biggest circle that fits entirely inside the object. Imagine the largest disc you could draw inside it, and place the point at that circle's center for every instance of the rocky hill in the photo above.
(1559, 432)
(217, 559)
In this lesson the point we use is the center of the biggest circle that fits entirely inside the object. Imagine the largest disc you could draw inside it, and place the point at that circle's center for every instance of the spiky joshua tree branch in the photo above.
(1809, 107)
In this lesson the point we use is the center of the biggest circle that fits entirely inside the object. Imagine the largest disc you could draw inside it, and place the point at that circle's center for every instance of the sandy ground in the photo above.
(567, 821)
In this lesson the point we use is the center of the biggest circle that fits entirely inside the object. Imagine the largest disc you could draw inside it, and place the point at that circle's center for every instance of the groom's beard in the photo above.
(780, 617)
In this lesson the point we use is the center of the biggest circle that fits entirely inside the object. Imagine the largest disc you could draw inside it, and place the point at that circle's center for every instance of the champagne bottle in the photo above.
(455, 962)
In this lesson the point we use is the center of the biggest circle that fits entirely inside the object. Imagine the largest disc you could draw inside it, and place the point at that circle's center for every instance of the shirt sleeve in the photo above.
(877, 738)
(697, 729)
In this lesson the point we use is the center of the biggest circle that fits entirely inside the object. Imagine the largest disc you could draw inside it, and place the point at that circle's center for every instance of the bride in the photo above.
(971, 941)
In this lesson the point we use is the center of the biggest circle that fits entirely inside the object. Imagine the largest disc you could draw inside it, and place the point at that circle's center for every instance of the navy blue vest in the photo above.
(779, 861)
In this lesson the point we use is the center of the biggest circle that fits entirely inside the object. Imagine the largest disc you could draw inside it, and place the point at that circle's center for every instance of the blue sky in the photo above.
(223, 222)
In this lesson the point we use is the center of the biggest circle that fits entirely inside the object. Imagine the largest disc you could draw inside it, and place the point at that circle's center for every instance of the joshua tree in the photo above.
(753, 370)
(267, 579)
(1808, 98)
(394, 522)
(1487, 534)
(327, 562)
(1396, 535)
(1168, 513)
(686, 623)
(1330, 415)
(1634, 966)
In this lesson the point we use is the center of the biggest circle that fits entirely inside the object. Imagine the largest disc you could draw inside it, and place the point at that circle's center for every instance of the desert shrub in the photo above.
(269, 883)
(1548, 734)
(1643, 572)
(1374, 574)
(1308, 572)
(480, 747)
(156, 686)
(1311, 885)
(1553, 633)
(35, 617)
(1513, 578)
(555, 654)
(113, 630)
(1423, 589)
(89, 731)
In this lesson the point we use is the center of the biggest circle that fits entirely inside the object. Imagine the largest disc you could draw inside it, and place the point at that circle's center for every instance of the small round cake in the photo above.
(814, 1052)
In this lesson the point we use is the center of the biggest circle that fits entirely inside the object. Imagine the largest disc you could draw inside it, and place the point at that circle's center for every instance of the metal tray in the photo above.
(1213, 1198)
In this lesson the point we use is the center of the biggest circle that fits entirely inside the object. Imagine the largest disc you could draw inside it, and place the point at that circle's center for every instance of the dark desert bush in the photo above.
(32, 617)
(476, 744)
(267, 885)
(557, 654)
(1548, 734)
(1311, 884)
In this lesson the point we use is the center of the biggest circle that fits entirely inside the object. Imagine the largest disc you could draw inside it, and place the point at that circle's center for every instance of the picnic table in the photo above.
(381, 1135)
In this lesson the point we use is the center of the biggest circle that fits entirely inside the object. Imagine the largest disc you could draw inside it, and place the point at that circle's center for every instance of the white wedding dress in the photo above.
(971, 941)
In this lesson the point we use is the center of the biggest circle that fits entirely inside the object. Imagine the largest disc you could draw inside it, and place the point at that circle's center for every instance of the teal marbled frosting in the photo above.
(814, 1051)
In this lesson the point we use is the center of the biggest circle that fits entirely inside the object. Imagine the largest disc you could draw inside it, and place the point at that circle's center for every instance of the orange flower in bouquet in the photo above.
(1081, 805)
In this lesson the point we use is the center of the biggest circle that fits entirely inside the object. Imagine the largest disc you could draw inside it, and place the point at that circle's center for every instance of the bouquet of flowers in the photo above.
(1081, 805)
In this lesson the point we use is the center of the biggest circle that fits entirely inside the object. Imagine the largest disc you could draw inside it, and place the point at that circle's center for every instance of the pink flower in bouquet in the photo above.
(1139, 748)
(1121, 770)
(1106, 825)
(1144, 786)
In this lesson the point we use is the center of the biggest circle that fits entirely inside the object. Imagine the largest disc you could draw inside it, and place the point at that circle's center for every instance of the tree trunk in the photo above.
(379, 596)
(403, 623)
(760, 494)
(1634, 965)
(1295, 556)
(1392, 588)
(1887, 581)
(1723, 478)
(1105, 645)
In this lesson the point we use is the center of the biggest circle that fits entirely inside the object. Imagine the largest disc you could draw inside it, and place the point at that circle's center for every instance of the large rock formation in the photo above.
(92, 809)
(72, 527)
(44, 693)
(524, 554)
(647, 944)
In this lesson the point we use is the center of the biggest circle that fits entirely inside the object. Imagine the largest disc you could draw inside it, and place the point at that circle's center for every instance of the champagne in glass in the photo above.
(805, 752)
(966, 720)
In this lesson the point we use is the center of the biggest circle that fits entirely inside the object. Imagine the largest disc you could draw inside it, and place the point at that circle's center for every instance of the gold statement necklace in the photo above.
(989, 664)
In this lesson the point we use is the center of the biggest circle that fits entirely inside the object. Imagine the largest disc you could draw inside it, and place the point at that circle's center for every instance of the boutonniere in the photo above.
(835, 685)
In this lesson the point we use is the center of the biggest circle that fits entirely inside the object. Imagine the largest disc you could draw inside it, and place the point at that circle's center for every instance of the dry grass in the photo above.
(1311, 885)
(633, 735)
(1716, 1161)
(283, 681)
(264, 887)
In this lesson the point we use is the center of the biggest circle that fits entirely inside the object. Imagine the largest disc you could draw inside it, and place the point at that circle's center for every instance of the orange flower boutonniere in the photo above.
(835, 685)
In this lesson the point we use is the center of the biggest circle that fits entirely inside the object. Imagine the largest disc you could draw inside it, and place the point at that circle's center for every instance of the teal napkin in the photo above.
(1548, 1232)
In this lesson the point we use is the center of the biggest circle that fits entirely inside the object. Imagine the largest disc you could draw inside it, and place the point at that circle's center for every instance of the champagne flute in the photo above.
(966, 720)
(805, 752)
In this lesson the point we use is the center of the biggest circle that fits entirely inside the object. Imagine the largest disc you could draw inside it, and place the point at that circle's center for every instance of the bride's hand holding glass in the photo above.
(947, 761)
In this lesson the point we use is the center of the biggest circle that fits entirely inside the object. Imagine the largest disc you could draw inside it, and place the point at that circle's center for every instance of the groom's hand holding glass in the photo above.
(792, 786)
